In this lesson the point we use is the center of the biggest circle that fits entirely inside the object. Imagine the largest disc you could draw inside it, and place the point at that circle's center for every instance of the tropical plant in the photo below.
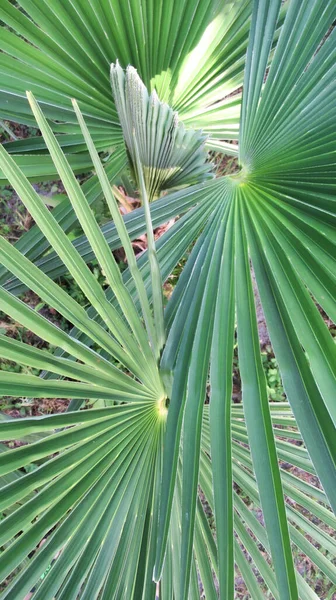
(103, 503)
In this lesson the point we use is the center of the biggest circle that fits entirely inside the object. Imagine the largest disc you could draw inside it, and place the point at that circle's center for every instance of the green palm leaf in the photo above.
(164, 47)
(108, 496)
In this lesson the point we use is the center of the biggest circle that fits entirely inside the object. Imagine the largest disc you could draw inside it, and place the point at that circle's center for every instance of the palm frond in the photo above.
(164, 44)
(108, 496)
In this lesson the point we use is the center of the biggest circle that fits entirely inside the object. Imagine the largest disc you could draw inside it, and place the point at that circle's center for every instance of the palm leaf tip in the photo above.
(170, 155)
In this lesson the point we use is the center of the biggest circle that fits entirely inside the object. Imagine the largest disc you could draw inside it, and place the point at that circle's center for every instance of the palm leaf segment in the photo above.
(278, 212)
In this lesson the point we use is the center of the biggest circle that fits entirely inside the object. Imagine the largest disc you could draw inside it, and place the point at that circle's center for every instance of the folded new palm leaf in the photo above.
(170, 155)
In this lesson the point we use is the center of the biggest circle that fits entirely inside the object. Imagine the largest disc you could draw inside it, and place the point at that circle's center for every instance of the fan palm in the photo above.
(104, 503)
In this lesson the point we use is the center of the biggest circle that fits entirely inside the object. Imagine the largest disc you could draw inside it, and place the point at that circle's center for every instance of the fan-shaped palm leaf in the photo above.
(113, 492)
(193, 55)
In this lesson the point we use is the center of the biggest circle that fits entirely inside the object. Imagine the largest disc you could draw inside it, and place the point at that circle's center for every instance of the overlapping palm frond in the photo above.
(108, 496)
(193, 55)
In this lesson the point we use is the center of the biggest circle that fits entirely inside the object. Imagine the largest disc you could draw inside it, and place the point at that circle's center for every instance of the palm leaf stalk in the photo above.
(120, 491)
(153, 262)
